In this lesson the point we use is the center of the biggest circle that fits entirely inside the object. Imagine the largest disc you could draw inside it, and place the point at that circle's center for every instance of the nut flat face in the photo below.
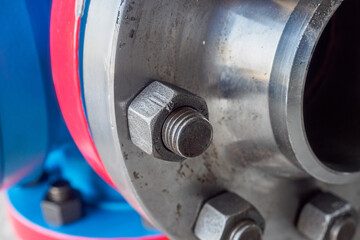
(328, 217)
(148, 112)
(62, 204)
(221, 215)
(60, 213)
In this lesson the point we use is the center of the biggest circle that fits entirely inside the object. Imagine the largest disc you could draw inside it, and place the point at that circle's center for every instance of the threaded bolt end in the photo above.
(246, 230)
(344, 229)
(60, 191)
(187, 133)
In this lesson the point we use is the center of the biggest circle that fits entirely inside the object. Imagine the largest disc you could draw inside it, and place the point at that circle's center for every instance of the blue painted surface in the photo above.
(30, 121)
(24, 113)
(39, 14)
(34, 138)
(108, 215)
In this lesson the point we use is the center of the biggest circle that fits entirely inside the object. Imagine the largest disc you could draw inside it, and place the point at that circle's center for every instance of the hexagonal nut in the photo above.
(320, 218)
(148, 112)
(220, 215)
(61, 213)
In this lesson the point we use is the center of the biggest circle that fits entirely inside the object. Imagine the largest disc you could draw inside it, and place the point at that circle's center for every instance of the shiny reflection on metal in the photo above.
(150, 110)
(247, 230)
(187, 132)
(331, 95)
(228, 217)
(328, 217)
(248, 60)
(343, 229)
(289, 77)
(80, 6)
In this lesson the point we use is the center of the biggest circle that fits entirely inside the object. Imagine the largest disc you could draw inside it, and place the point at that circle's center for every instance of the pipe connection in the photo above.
(169, 123)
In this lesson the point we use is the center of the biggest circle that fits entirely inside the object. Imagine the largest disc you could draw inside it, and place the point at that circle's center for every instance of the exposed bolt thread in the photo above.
(246, 230)
(176, 124)
(343, 229)
(60, 191)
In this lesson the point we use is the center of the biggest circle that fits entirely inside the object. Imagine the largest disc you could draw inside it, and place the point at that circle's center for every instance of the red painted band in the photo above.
(64, 45)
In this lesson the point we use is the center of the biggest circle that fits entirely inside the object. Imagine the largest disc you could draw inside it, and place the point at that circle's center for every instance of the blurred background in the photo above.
(6, 232)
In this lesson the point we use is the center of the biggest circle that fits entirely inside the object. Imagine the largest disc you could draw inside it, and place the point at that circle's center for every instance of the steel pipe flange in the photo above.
(169, 123)
(254, 63)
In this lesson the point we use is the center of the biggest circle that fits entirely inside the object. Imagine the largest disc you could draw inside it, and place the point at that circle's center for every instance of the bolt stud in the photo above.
(187, 133)
(60, 191)
(246, 230)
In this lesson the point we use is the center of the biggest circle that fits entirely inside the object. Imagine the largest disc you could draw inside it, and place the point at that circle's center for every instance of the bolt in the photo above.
(246, 230)
(328, 217)
(60, 191)
(229, 217)
(343, 229)
(187, 133)
(62, 204)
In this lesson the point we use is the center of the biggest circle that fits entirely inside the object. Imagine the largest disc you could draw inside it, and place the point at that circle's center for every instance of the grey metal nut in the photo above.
(222, 218)
(148, 112)
(62, 206)
(328, 217)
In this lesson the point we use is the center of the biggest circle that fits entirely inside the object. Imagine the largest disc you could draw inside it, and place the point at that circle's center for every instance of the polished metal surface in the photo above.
(290, 69)
(249, 60)
(148, 113)
(343, 229)
(247, 230)
(187, 132)
(328, 217)
(228, 217)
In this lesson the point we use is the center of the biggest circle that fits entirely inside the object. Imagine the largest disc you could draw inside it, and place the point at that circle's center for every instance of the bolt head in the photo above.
(62, 212)
(148, 112)
(222, 214)
(328, 217)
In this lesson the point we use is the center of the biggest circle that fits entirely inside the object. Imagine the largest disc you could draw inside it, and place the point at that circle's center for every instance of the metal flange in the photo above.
(129, 44)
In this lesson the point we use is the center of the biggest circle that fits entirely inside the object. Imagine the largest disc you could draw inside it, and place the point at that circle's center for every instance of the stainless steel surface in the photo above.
(247, 230)
(187, 132)
(249, 60)
(220, 216)
(290, 71)
(148, 112)
(343, 229)
(328, 217)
